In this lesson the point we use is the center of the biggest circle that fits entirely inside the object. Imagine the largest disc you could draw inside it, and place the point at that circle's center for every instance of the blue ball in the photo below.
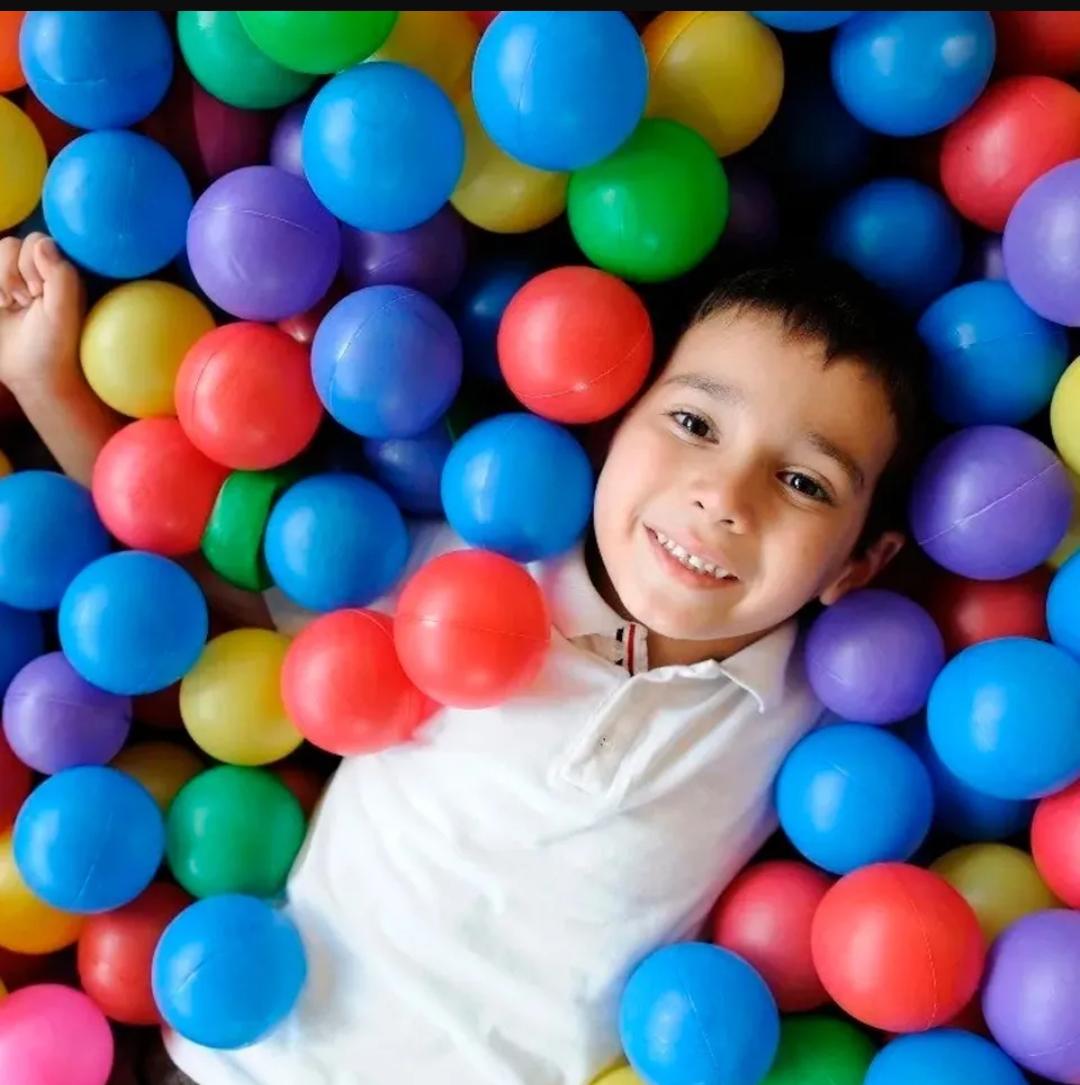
(97, 69)
(117, 203)
(906, 73)
(560, 90)
(22, 639)
(410, 468)
(943, 1057)
(851, 794)
(1004, 716)
(89, 839)
(802, 21)
(382, 146)
(1063, 607)
(692, 1012)
(335, 540)
(49, 531)
(133, 622)
(227, 971)
(477, 307)
(519, 485)
(995, 361)
(899, 234)
(349, 362)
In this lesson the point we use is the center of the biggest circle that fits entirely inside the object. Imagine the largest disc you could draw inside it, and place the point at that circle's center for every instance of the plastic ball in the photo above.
(161, 767)
(897, 947)
(720, 73)
(803, 22)
(1029, 998)
(227, 971)
(234, 830)
(228, 64)
(477, 307)
(133, 622)
(1055, 843)
(245, 399)
(820, 1051)
(335, 540)
(23, 171)
(653, 209)
(943, 1057)
(348, 362)
(116, 950)
(1065, 415)
(231, 699)
(560, 90)
(27, 924)
(383, 147)
(765, 916)
(21, 639)
(97, 69)
(54, 720)
(906, 73)
(88, 839)
(14, 784)
(441, 44)
(1043, 42)
(53, 1035)
(133, 342)
(1061, 603)
(972, 491)
(410, 468)
(694, 1012)
(518, 485)
(285, 144)
(11, 73)
(117, 203)
(261, 245)
(318, 42)
(471, 629)
(49, 532)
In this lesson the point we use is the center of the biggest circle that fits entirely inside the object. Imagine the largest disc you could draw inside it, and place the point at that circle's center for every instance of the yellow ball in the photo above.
(1000, 883)
(27, 924)
(622, 1076)
(440, 44)
(22, 164)
(134, 341)
(719, 72)
(161, 767)
(498, 193)
(230, 700)
(1065, 416)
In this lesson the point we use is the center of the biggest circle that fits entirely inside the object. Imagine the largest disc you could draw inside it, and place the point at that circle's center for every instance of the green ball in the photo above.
(654, 208)
(318, 42)
(818, 1050)
(234, 830)
(224, 62)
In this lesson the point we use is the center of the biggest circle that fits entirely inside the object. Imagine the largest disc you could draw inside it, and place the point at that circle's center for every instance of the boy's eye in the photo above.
(805, 485)
(694, 424)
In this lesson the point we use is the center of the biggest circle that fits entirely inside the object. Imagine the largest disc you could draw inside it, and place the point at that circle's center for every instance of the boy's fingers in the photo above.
(63, 294)
(28, 264)
(11, 281)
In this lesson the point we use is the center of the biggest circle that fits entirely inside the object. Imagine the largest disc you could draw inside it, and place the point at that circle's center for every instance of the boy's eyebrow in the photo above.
(835, 452)
(725, 393)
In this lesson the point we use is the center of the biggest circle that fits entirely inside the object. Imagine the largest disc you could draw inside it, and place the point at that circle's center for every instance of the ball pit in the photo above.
(23, 171)
(942, 1057)
(820, 1051)
(317, 42)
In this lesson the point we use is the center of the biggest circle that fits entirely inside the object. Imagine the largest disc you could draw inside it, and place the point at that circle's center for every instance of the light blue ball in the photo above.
(133, 622)
(519, 485)
(97, 69)
(696, 1013)
(560, 90)
(852, 794)
(995, 361)
(1004, 716)
(335, 540)
(1063, 607)
(117, 203)
(228, 970)
(899, 234)
(89, 839)
(803, 22)
(382, 146)
(49, 531)
(943, 1057)
(22, 639)
(906, 73)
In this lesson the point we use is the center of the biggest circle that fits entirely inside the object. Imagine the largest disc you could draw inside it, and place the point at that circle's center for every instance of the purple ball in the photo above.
(55, 720)
(429, 257)
(260, 244)
(1042, 245)
(873, 657)
(990, 502)
(285, 142)
(1032, 990)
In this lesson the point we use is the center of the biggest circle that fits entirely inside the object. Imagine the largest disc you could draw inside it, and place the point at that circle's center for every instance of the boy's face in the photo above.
(736, 489)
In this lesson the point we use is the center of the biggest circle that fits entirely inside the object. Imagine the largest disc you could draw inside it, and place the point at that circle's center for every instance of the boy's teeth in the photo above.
(691, 561)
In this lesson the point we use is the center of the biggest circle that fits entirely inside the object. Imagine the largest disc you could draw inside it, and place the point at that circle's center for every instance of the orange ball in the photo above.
(1055, 843)
(897, 948)
(1038, 42)
(11, 73)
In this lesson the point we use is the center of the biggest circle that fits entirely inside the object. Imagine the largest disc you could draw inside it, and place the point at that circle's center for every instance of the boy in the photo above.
(472, 903)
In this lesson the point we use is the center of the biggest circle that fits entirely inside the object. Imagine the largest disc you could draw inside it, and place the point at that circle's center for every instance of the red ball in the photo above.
(55, 133)
(897, 947)
(1055, 843)
(116, 950)
(344, 688)
(481, 19)
(472, 628)
(15, 780)
(765, 916)
(1020, 128)
(1038, 42)
(575, 344)
(245, 397)
(970, 611)
(153, 489)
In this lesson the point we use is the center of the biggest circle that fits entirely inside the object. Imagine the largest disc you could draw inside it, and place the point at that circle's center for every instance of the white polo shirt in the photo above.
(473, 902)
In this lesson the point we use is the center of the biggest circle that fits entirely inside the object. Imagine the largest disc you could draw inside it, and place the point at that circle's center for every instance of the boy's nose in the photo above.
(725, 503)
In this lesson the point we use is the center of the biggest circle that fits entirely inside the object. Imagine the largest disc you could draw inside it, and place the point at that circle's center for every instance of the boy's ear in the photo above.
(861, 568)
